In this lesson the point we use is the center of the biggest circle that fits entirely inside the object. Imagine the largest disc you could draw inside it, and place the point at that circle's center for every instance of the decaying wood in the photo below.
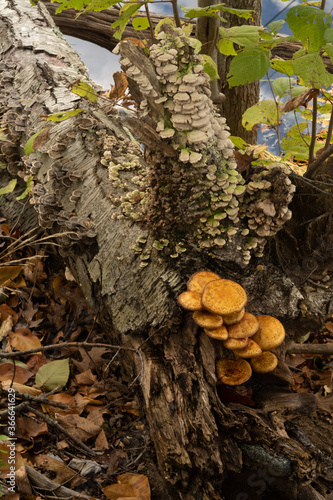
(198, 442)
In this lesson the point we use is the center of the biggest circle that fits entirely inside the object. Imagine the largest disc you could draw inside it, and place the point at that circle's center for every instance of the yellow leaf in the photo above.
(24, 340)
(8, 273)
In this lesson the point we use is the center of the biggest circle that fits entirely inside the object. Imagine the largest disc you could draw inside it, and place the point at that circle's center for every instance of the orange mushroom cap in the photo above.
(199, 280)
(264, 363)
(223, 297)
(270, 333)
(246, 327)
(206, 319)
(190, 301)
(236, 343)
(250, 351)
(232, 372)
(236, 317)
(220, 333)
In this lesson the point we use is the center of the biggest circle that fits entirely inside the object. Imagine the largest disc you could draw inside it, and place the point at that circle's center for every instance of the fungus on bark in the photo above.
(231, 372)
(270, 333)
(264, 363)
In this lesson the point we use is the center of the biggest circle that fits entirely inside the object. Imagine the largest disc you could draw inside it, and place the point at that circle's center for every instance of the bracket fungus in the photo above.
(215, 301)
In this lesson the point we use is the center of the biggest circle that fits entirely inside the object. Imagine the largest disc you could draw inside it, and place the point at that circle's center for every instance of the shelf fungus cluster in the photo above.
(199, 192)
(218, 307)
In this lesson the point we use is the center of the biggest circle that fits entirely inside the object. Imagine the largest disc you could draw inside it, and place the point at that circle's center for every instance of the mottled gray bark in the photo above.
(199, 443)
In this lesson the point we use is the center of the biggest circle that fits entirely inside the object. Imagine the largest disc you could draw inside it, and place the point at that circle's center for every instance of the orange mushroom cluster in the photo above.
(218, 306)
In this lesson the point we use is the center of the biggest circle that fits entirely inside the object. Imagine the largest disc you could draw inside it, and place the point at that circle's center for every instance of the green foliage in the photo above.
(30, 185)
(83, 89)
(213, 11)
(63, 115)
(210, 67)
(140, 23)
(126, 12)
(263, 112)
(309, 25)
(249, 65)
(9, 188)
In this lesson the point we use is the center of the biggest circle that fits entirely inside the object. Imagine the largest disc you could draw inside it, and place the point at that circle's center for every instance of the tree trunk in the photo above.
(203, 448)
(239, 99)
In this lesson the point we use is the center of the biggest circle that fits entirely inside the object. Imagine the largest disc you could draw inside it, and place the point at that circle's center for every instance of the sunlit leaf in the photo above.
(9, 188)
(63, 115)
(140, 23)
(249, 65)
(30, 185)
(210, 67)
(214, 10)
(263, 112)
(37, 140)
(309, 25)
(83, 89)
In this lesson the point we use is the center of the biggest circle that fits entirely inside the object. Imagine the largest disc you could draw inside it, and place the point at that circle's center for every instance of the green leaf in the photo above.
(98, 5)
(29, 146)
(71, 4)
(296, 144)
(282, 85)
(329, 35)
(247, 66)
(53, 374)
(63, 115)
(30, 185)
(309, 25)
(83, 89)
(210, 67)
(238, 142)
(282, 66)
(263, 112)
(167, 20)
(275, 26)
(311, 70)
(245, 35)
(213, 11)
(140, 23)
(328, 48)
(9, 188)
(127, 11)
(226, 47)
(297, 90)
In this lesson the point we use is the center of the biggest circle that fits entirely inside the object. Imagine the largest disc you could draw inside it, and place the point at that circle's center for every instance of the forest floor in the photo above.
(78, 426)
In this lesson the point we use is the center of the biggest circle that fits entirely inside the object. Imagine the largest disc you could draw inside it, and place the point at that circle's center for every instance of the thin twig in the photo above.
(313, 130)
(329, 131)
(151, 29)
(176, 13)
(311, 170)
(57, 426)
(310, 348)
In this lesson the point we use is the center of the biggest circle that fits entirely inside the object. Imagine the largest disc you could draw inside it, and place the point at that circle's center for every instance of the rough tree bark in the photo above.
(204, 449)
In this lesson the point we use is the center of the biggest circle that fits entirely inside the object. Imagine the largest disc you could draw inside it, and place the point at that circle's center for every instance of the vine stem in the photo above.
(277, 114)
(153, 39)
(329, 131)
(314, 130)
(176, 13)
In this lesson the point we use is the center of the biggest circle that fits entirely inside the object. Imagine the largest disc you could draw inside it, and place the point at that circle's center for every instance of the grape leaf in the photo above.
(140, 23)
(214, 10)
(210, 67)
(311, 70)
(263, 112)
(282, 85)
(242, 35)
(282, 66)
(127, 11)
(249, 65)
(309, 25)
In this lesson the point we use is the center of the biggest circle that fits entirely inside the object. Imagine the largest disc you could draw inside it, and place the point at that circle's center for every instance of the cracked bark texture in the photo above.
(203, 449)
